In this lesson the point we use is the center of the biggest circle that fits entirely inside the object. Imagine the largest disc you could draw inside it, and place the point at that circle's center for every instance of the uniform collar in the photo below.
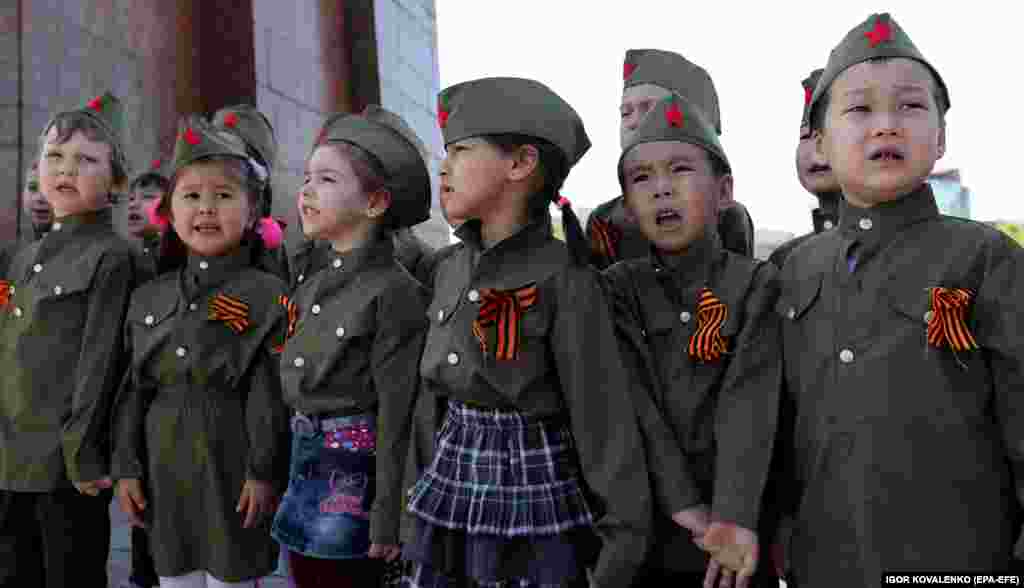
(874, 226)
(201, 272)
(692, 265)
(826, 216)
(74, 223)
(377, 251)
(536, 232)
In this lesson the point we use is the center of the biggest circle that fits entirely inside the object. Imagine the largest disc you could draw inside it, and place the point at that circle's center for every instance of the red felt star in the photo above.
(674, 115)
(881, 33)
(321, 137)
(808, 93)
(191, 137)
(442, 118)
(231, 120)
(96, 103)
(627, 70)
(155, 164)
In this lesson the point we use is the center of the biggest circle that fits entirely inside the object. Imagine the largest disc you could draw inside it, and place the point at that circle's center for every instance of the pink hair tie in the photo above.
(155, 218)
(563, 202)
(271, 233)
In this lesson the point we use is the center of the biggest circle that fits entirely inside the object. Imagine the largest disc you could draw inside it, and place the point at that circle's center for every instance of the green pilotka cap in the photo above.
(399, 150)
(253, 127)
(198, 139)
(877, 37)
(107, 112)
(494, 106)
(809, 83)
(676, 119)
(675, 73)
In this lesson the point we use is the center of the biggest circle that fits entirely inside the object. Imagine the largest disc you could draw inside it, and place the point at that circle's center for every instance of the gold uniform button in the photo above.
(315, 309)
(299, 362)
(453, 359)
(193, 306)
(149, 320)
(337, 264)
(846, 356)
(181, 352)
(204, 265)
(684, 317)
(37, 268)
(866, 224)
(828, 225)
(473, 296)
(340, 332)
(57, 290)
(18, 312)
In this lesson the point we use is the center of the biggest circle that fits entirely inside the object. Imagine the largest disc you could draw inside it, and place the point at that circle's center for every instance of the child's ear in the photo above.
(723, 192)
(525, 161)
(378, 202)
(942, 141)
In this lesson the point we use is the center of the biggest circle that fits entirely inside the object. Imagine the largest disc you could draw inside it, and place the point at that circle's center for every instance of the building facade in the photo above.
(296, 61)
(952, 197)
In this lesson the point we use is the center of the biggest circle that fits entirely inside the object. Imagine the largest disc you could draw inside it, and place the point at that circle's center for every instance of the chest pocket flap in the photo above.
(798, 297)
(69, 276)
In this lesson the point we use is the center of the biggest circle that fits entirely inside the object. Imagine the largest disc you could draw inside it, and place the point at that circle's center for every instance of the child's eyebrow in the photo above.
(636, 167)
(912, 88)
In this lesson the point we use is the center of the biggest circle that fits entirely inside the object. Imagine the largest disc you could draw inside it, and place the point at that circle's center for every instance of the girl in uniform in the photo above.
(350, 370)
(536, 442)
(201, 404)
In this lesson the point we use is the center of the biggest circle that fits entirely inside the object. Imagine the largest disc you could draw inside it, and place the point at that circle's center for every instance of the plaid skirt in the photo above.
(500, 505)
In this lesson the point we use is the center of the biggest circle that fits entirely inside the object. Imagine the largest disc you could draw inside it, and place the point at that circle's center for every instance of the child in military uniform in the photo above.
(650, 75)
(901, 341)
(699, 322)
(137, 219)
(532, 452)
(35, 205)
(200, 429)
(351, 368)
(261, 143)
(64, 300)
(815, 176)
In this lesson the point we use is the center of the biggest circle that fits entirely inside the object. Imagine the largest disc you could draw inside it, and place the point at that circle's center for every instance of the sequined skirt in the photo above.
(324, 512)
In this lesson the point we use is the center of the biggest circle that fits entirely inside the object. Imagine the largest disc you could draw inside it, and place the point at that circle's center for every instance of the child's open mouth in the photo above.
(668, 217)
(207, 228)
(134, 217)
(66, 189)
(885, 154)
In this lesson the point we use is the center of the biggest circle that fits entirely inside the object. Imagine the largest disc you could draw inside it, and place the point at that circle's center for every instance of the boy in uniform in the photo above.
(650, 75)
(64, 300)
(39, 211)
(144, 193)
(815, 176)
(902, 347)
(701, 325)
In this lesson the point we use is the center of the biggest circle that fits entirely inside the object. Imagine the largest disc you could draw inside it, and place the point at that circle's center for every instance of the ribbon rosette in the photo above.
(604, 237)
(948, 323)
(232, 311)
(707, 343)
(503, 310)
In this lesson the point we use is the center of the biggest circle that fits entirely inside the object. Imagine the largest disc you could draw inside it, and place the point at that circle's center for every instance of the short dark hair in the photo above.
(820, 110)
(68, 123)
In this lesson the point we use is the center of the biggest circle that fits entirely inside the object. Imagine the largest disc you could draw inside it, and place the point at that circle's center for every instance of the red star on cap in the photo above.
(674, 115)
(627, 70)
(191, 137)
(231, 120)
(96, 103)
(881, 33)
(321, 137)
(808, 93)
(155, 164)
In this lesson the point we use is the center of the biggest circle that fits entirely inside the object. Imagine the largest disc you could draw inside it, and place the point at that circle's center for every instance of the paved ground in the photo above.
(121, 554)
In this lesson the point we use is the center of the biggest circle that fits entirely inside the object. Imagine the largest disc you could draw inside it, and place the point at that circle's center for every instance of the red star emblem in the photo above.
(674, 115)
(321, 137)
(96, 103)
(442, 117)
(231, 120)
(808, 93)
(191, 137)
(880, 33)
(627, 70)
(155, 164)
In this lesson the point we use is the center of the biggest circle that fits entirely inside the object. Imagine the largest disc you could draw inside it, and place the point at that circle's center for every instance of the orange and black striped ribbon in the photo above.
(503, 309)
(232, 311)
(292, 312)
(604, 237)
(5, 293)
(707, 343)
(948, 323)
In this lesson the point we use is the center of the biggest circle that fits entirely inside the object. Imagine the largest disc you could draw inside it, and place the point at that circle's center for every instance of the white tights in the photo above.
(203, 580)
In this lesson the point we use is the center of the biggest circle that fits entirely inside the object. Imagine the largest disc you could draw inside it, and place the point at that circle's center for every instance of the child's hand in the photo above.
(733, 549)
(132, 500)
(386, 552)
(93, 487)
(258, 500)
(694, 519)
